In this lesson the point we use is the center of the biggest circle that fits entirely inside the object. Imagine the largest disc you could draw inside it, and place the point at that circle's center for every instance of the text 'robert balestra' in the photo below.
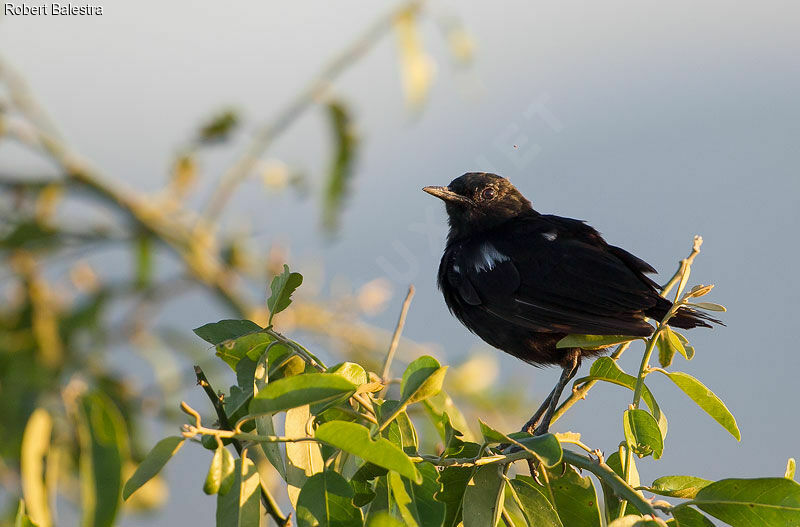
(51, 9)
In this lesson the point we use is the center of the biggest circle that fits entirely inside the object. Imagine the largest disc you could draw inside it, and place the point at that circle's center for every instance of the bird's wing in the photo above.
(549, 280)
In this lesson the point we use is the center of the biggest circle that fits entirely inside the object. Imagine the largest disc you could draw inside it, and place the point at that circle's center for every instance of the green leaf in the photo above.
(593, 341)
(483, 498)
(341, 165)
(227, 514)
(300, 390)
(152, 463)
(384, 519)
(634, 521)
(546, 448)
(404, 500)
(670, 338)
(227, 471)
(708, 306)
(383, 503)
(575, 498)
(790, 468)
(706, 400)
(103, 440)
(363, 493)
(304, 458)
(355, 439)
(220, 472)
(685, 487)
(249, 346)
(218, 332)
(642, 433)
(144, 261)
(282, 287)
(219, 127)
(538, 510)
(612, 501)
(264, 424)
(430, 510)
(22, 519)
(249, 493)
(606, 369)
(665, 352)
(751, 502)
(689, 517)
(688, 348)
(453, 483)
(284, 362)
(422, 379)
(441, 404)
(35, 446)
(327, 497)
(416, 503)
(351, 371)
(214, 476)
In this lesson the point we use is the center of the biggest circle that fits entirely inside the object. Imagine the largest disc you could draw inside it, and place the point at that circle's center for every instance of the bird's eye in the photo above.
(487, 194)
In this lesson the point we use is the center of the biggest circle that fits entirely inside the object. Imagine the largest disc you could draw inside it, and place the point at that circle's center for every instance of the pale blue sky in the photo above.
(662, 120)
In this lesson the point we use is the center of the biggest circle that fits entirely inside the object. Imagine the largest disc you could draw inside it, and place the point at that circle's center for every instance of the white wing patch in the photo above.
(488, 257)
(549, 236)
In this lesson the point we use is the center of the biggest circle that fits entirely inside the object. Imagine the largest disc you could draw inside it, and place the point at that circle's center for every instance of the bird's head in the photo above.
(478, 201)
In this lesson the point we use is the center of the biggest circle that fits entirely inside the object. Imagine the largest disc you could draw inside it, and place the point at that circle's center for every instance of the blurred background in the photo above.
(160, 161)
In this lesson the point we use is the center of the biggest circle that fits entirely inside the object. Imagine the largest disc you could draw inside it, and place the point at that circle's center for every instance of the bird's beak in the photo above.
(447, 195)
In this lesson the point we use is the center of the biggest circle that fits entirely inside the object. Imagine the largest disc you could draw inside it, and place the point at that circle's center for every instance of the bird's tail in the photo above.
(688, 318)
(684, 318)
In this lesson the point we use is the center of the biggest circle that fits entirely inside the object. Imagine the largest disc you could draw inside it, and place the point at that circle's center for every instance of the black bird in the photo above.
(522, 280)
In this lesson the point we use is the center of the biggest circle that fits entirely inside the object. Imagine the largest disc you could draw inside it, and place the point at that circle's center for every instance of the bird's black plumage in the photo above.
(522, 280)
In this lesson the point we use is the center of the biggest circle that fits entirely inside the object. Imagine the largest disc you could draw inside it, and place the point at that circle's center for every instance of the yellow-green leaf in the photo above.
(35, 446)
(355, 439)
(705, 399)
(593, 341)
(642, 433)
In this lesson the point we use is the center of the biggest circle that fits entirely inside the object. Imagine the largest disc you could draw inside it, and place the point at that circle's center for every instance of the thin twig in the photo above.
(216, 402)
(266, 498)
(305, 98)
(398, 330)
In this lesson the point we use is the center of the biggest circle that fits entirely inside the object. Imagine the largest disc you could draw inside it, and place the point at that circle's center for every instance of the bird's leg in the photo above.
(570, 368)
(530, 426)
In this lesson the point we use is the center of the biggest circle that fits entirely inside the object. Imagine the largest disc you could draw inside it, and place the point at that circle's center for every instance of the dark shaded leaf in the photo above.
(483, 498)
(153, 463)
(219, 127)
(545, 447)
(689, 517)
(453, 482)
(224, 330)
(327, 497)
(104, 447)
(538, 510)
(576, 500)
(341, 166)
